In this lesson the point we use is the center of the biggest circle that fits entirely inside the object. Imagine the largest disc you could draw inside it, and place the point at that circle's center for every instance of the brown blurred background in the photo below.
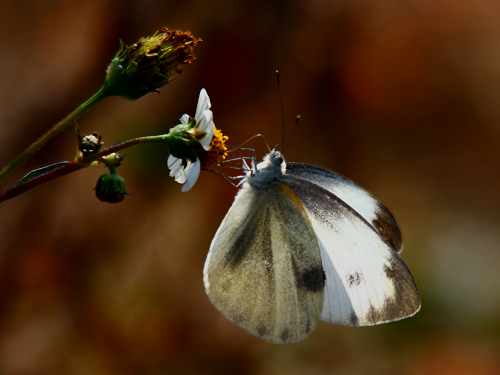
(402, 97)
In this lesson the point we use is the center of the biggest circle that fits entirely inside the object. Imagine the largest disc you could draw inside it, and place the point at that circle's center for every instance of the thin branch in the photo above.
(75, 166)
(49, 135)
(20, 189)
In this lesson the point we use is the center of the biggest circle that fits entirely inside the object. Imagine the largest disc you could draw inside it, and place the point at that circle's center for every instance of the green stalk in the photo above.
(58, 128)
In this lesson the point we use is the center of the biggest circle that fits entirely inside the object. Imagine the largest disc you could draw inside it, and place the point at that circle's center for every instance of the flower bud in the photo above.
(114, 159)
(110, 188)
(89, 144)
(149, 64)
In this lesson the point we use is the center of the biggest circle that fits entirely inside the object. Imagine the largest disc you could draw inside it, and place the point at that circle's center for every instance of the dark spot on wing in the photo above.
(387, 227)
(261, 331)
(313, 280)
(354, 280)
(284, 335)
(373, 314)
(308, 325)
(389, 272)
(238, 318)
(354, 318)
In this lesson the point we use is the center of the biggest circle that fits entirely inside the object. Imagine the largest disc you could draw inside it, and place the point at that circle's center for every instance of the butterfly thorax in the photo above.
(270, 170)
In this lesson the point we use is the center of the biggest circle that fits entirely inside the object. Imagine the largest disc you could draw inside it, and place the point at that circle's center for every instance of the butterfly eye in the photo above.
(277, 158)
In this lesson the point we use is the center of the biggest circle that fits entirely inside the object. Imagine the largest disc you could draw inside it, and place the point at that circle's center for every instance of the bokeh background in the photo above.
(402, 97)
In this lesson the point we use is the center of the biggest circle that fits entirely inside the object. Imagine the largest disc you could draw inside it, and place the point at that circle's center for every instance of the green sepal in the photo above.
(120, 83)
(41, 171)
(181, 143)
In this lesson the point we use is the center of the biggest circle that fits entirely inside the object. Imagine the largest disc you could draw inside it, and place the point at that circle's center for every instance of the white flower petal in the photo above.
(203, 104)
(182, 176)
(207, 118)
(192, 175)
(177, 169)
(207, 126)
(174, 165)
(207, 139)
(184, 119)
(171, 160)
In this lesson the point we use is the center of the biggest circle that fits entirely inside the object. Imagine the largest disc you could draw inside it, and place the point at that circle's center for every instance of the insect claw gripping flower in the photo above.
(203, 131)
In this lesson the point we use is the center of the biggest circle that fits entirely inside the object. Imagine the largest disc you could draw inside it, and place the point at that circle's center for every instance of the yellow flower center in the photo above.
(217, 151)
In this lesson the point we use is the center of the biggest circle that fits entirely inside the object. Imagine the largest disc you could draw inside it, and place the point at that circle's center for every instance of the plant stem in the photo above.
(19, 189)
(132, 142)
(76, 165)
(58, 128)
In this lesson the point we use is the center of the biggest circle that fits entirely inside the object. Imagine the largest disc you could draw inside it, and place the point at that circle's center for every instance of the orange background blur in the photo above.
(402, 97)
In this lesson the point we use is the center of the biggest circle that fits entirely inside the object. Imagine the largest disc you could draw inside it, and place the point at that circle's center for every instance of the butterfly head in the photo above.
(269, 170)
(274, 161)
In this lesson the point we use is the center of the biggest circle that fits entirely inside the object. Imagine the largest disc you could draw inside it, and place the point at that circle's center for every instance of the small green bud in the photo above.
(149, 64)
(110, 188)
(114, 159)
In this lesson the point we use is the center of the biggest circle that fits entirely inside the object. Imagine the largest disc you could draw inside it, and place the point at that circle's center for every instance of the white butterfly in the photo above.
(302, 244)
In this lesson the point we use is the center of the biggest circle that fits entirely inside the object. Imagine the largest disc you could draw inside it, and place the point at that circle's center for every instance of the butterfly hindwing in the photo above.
(373, 211)
(366, 281)
(264, 269)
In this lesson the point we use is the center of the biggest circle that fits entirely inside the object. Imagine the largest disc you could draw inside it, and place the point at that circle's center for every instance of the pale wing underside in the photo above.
(263, 270)
(366, 281)
(355, 196)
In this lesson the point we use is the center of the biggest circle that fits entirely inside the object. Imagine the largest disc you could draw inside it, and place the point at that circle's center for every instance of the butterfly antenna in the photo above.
(297, 119)
(282, 111)
(248, 140)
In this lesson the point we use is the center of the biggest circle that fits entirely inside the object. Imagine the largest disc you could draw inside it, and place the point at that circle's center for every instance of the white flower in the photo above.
(186, 175)
(203, 132)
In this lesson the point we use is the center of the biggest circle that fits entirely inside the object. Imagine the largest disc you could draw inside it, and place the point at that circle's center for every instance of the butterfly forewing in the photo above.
(264, 270)
(366, 280)
(355, 196)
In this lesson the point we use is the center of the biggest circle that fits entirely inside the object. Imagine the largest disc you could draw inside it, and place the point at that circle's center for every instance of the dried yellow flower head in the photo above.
(149, 64)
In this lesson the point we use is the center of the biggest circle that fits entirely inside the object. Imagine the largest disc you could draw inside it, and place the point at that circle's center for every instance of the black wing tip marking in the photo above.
(388, 228)
(406, 301)
(312, 280)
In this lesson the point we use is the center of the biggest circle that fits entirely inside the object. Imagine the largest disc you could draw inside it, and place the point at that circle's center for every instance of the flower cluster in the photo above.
(186, 171)
(210, 147)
